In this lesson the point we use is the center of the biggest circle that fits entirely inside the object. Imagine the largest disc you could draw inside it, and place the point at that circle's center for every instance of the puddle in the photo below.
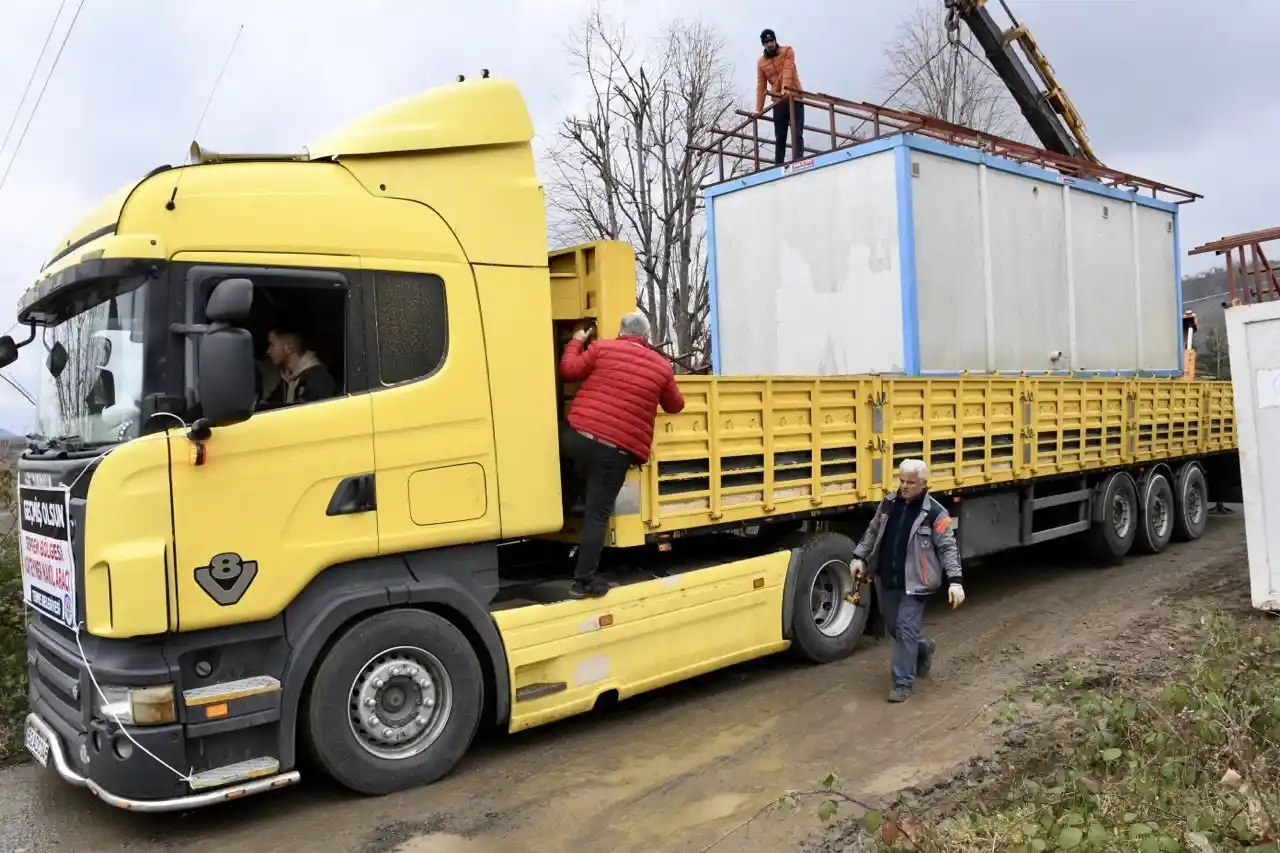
(905, 775)
(717, 807)
(456, 844)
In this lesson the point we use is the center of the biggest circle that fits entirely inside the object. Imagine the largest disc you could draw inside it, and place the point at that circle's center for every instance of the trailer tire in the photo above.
(824, 626)
(1114, 530)
(1155, 523)
(1191, 503)
(395, 702)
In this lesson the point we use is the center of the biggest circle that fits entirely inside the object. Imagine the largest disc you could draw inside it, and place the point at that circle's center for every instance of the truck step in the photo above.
(241, 771)
(229, 690)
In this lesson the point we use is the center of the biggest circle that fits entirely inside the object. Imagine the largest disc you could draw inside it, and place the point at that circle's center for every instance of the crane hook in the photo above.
(953, 22)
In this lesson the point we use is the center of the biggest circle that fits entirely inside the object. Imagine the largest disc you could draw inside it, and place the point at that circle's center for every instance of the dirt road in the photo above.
(676, 770)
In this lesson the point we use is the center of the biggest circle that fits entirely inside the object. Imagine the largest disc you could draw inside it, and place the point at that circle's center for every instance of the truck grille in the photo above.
(59, 684)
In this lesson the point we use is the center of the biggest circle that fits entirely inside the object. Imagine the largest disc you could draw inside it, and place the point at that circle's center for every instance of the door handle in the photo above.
(353, 495)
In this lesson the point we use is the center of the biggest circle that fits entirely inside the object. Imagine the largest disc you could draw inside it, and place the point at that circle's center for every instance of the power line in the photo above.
(1203, 298)
(17, 111)
(19, 389)
(18, 147)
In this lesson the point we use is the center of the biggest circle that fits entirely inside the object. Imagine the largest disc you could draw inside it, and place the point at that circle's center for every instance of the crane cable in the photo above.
(954, 95)
(40, 97)
(904, 85)
(953, 40)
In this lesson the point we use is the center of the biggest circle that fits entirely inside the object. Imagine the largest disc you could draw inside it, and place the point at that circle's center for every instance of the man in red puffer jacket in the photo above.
(611, 426)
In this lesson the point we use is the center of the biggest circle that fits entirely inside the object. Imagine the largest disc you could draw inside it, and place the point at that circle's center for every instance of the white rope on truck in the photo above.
(185, 777)
(84, 659)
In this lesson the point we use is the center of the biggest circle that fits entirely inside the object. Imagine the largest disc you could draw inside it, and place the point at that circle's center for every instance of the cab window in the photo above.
(411, 324)
(307, 338)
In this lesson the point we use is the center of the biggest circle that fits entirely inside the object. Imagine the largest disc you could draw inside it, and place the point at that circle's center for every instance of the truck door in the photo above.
(287, 493)
(433, 426)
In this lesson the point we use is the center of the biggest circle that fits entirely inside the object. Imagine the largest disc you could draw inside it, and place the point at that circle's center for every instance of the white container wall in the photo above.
(908, 255)
(1253, 340)
(809, 268)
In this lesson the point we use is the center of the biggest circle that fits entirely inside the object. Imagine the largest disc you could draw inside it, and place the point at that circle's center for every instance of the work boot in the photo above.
(926, 661)
(596, 587)
(899, 694)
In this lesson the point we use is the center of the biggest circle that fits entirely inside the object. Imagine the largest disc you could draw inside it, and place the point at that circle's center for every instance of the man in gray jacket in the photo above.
(910, 546)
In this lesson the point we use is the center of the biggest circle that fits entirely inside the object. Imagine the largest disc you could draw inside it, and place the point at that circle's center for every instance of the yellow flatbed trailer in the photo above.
(750, 449)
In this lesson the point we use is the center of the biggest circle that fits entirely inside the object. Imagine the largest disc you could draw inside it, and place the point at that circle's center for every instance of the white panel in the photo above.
(1028, 271)
(950, 284)
(808, 275)
(1161, 315)
(1105, 294)
(1253, 338)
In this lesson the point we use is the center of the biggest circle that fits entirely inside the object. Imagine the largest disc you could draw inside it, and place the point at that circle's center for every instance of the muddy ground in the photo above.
(680, 769)
(1153, 649)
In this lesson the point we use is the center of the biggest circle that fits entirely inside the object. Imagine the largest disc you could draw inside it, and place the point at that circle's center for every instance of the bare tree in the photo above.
(948, 81)
(1213, 360)
(626, 166)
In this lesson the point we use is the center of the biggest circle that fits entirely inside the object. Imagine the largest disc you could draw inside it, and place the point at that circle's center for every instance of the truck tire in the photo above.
(824, 626)
(1191, 503)
(1112, 534)
(395, 702)
(1155, 522)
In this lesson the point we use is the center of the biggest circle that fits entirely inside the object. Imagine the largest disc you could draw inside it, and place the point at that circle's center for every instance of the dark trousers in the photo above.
(904, 618)
(781, 123)
(605, 469)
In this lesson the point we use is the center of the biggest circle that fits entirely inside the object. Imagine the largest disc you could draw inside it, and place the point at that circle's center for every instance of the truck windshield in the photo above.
(91, 380)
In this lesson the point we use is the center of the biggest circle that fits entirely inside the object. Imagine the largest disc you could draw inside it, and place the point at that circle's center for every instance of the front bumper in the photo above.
(58, 756)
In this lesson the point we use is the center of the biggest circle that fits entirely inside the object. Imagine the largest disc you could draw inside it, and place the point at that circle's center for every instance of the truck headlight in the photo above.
(138, 706)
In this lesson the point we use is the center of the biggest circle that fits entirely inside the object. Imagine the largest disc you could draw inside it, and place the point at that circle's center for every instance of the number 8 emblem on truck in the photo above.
(227, 577)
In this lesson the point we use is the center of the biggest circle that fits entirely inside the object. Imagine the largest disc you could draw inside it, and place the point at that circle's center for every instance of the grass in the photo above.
(13, 642)
(1191, 764)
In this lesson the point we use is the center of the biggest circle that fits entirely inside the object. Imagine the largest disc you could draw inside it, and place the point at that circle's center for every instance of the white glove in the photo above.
(955, 595)
(858, 565)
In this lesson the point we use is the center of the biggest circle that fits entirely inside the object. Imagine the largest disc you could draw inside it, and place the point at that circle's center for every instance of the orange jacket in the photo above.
(779, 72)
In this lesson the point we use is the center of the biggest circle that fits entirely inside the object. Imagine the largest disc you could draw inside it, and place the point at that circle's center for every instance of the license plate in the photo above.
(38, 745)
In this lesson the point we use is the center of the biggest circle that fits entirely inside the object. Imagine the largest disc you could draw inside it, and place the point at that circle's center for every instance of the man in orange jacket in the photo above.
(777, 69)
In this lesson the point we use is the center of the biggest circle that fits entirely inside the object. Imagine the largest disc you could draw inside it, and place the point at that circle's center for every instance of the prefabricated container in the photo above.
(1253, 341)
(913, 256)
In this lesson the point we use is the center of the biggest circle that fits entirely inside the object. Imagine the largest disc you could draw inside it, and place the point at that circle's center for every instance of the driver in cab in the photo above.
(303, 377)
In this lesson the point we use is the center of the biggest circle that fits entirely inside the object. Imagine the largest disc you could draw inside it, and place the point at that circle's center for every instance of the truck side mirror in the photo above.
(226, 370)
(8, 351)
(230, 302)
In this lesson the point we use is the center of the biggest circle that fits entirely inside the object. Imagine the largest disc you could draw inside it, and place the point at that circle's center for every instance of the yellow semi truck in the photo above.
(214, 588)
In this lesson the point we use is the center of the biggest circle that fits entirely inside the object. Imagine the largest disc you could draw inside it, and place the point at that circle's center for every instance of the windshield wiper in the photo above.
(69, 442)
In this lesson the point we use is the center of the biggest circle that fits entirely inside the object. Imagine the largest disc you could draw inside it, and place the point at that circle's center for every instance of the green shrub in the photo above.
(13, 643)
(1189, 765)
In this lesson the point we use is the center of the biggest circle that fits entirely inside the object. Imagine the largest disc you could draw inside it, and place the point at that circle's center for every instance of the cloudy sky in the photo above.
(1169, 89)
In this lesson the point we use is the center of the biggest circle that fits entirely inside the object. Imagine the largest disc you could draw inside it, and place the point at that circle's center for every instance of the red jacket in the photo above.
(625, 382)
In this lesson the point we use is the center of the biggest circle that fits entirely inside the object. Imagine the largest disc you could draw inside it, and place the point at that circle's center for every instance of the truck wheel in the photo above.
(1191, 503)
(1155, 522)
(1111, 536)
(395, 702)
(824, 626)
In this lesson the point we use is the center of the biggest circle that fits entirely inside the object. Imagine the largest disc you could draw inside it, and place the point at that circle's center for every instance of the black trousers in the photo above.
(605, 469)
(781, 123)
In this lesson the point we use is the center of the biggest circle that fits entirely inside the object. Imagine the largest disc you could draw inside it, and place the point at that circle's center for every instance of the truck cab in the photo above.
(213, 545)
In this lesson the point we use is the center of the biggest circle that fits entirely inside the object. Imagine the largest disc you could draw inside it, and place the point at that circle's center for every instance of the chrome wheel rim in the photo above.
(1195, 504)
(832, 613)
(1161, 517)
(1121, 516)
(400, 702)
